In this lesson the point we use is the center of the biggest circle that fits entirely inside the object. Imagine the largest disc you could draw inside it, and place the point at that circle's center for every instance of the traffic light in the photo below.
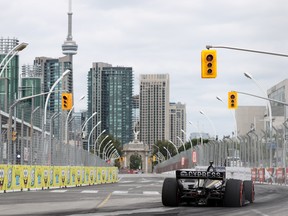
(208, 64)
(232, 100)
(66, 101)
(18, 157)
(14, 135)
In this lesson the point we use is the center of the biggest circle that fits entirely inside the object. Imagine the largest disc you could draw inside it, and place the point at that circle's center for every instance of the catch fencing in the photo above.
(267, 158)
(56, 142)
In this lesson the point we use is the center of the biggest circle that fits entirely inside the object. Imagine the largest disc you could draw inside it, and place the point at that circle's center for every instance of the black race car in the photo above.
(208, 187)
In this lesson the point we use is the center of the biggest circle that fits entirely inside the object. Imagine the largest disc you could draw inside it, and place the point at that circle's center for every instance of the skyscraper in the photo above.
(154, 108)
(110, 95)
(177, 123)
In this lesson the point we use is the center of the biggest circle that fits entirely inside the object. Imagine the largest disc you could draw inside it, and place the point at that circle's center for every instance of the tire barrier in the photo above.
(23, 177)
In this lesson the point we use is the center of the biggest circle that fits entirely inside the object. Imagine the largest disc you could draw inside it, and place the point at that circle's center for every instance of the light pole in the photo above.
(167, 152)
(188, 138)
(15, 49)
(249, 76)
(191, 123)
(174, 146)
(97, 140)
(158, 150)
(67, 118)
(85, 123)
(215, 134)
(108, 145)
(51, 136)
(181, 142)
(88, 146)
(101, 144)
(112, 153)
(9, 133)
(32, 128)
(109, 152)
(233, 116)
(48, 96)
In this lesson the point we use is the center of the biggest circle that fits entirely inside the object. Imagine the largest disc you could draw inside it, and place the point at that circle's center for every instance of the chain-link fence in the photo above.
(251, 150)
(29, 140)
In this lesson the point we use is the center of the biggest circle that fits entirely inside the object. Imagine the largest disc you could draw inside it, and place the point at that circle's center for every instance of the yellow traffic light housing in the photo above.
(14, 135)
(67, 102)
(232, 100)
(208, 64)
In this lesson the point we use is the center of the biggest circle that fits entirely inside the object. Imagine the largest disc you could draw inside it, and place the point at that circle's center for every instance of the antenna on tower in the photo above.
(69, 47)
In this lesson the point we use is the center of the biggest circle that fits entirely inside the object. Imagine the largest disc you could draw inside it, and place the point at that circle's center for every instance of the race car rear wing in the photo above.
(188, 174)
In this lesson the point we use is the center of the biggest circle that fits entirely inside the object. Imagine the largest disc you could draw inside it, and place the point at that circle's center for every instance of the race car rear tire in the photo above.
(249, 190)
(170, 192)
(234, 194)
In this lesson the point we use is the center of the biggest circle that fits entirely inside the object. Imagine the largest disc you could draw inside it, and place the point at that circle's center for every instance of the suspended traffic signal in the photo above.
(14, 135)
(66, 101)
(232, 100)
(208, 64)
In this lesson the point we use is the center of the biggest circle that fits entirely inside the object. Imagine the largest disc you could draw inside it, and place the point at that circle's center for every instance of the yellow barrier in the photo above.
(25, 177)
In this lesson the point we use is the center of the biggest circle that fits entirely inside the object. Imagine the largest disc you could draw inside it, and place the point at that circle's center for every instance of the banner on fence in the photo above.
(25, 177)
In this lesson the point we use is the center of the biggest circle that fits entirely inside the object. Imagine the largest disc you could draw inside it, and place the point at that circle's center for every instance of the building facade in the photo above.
(250, 118)
(279, 92)
(110, 95)
(9, 74)
(154, 108)
(136, 113)
(177, 113)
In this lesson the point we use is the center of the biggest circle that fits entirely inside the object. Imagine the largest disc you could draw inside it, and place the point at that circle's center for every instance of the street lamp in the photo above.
(9, 133)
(188, 138)
(233, 116)
(97, 140)
(215, 134)
(269, 110)
(88, 147)
(67, 118)
(167, 152)
(268, 102)
(51, 136)
(101, 144)
(158, 150)
(109, 152)
(85, 123)
(198, 131)
(174, 146)
(106, 147)
(48, 96)
(32, 128)
(181, 142)
(16, 49)
(112, 153)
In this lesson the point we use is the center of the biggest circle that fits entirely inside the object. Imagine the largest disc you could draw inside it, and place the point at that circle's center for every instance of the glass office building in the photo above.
(110, 95)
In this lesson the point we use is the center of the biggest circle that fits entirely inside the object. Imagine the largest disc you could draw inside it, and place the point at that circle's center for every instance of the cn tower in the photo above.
(69, 48)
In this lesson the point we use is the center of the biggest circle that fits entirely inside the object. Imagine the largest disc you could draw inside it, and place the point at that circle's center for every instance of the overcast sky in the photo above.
(162, 36)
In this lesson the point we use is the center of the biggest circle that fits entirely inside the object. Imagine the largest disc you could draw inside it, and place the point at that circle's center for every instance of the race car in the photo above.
(213, 186)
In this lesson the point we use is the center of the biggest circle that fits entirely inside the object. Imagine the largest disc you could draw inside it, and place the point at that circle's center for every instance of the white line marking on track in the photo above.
(58, 191)
(151, 192)
(89, 191)
(258, 212)
(120, 192)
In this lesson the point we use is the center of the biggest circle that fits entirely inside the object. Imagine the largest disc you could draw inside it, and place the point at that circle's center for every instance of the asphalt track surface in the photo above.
(135, 194)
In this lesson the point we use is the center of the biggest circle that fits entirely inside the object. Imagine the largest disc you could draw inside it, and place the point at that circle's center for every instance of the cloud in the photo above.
(162, 36)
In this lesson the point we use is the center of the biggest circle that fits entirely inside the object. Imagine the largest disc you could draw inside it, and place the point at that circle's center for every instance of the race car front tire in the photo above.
(170, 192)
